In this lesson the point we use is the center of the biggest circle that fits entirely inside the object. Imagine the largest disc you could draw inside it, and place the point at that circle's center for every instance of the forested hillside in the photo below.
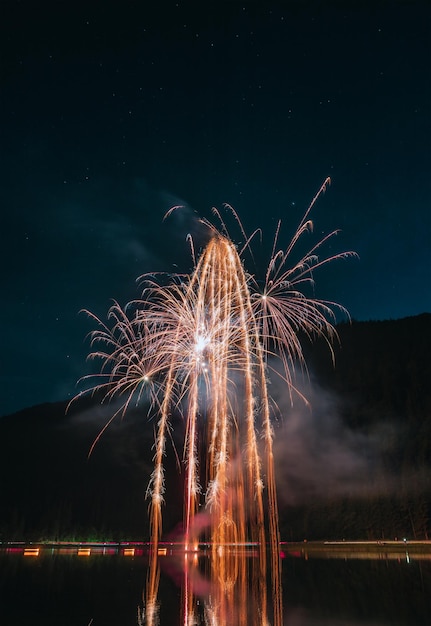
(381, 383)
(356, 464)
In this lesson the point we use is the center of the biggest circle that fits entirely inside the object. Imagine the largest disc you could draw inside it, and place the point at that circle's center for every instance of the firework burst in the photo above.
(202, 346)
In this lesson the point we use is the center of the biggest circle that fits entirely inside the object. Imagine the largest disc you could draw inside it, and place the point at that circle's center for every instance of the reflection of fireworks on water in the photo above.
(200, 346)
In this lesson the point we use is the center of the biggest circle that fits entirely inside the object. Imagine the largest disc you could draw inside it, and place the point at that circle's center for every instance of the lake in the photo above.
(104, 585)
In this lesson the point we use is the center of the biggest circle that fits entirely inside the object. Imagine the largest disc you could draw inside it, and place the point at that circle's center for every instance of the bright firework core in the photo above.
(200, 345)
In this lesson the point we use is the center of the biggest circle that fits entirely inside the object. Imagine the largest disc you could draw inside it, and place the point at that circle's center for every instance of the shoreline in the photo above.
(287, 548)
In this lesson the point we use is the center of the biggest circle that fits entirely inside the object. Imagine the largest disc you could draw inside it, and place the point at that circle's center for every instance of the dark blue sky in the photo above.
(110, 116)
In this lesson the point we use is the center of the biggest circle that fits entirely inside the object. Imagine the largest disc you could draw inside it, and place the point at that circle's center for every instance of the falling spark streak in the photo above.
(200, 345)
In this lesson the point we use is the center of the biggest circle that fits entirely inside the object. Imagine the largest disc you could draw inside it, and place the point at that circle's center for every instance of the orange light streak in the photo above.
(84, 551)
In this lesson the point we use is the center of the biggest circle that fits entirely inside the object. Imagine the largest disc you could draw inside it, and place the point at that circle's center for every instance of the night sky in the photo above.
(111, 113)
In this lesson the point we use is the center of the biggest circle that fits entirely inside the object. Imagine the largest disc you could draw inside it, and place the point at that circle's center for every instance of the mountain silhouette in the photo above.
(356, 463)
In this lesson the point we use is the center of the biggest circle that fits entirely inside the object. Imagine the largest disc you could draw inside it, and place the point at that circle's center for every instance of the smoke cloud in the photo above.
(317, 456)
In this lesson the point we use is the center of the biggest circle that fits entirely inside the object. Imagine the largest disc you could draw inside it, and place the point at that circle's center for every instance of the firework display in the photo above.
(202, 346)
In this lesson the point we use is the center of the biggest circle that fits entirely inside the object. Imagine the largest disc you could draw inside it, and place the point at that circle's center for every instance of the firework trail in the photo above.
(201, 346)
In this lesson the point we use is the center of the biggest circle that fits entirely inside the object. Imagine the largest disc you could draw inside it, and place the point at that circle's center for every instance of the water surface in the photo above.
(105, 587)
